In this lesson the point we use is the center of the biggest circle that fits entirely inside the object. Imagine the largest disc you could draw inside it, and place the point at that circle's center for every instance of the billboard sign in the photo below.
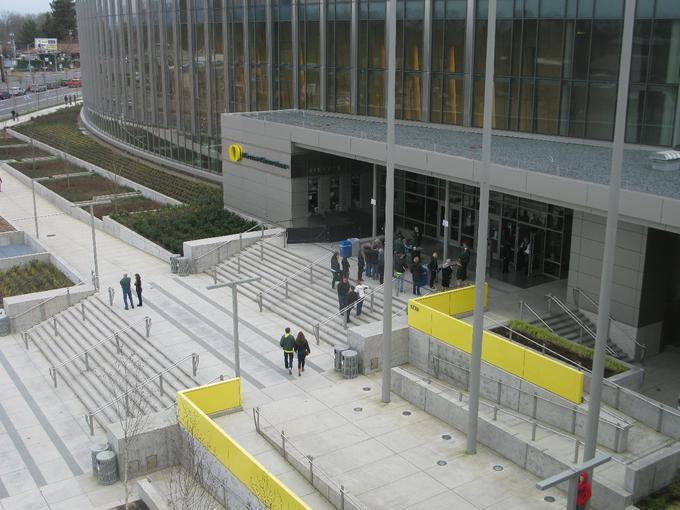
(45, 44)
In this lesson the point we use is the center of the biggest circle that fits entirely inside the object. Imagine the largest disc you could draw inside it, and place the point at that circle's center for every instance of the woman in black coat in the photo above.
(138, 288)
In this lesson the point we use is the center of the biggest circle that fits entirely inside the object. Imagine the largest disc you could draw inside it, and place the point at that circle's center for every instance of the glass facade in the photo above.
(157, 74)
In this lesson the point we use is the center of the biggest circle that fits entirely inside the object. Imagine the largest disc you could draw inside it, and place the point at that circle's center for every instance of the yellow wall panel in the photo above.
(419, 316)
(503, 354)
(217, 397)
(553, 376)
(452, 331)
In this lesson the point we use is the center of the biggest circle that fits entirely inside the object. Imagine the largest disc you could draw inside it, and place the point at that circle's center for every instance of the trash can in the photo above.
(338, 349)
(183, 266)
(174, 263)
(4, 323)
(345, 248)
(350, 364)
(94, 451)
(106, 467)
(356, 246)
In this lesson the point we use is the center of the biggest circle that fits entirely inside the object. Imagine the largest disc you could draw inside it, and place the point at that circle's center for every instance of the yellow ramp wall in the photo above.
(432, 315)
(193, 407)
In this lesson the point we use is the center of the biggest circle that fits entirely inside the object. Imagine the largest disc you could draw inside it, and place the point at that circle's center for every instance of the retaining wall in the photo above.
(112, 227)
(367, 340)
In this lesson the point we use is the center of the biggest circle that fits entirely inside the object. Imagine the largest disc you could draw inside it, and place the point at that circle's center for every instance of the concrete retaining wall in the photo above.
(450, 364)
(653, 472)
(367, 341)
(200, 247)
(122, 181)
(23, 260)
(112, 227)
(532, 457)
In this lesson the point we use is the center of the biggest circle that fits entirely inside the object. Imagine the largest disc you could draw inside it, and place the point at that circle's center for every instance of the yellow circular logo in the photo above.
(235, 152)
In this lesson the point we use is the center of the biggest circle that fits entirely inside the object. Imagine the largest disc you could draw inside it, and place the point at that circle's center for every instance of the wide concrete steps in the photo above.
(110, 368)
(307, 302)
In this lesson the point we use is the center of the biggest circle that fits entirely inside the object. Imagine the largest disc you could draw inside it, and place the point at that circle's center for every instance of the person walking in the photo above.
(447, 273)
(381, 265)
(352, 298)
(433, 268)
(400, 267)
(335, 269)
(138, 289)
(127, 291)
(584, 491)
(287, 343)
(345, 267)
(65, 100)
(302, 350)
(343, 290)
(361, 263)
(372, 261)
(14, 115)
(415, 272)
(361, 289)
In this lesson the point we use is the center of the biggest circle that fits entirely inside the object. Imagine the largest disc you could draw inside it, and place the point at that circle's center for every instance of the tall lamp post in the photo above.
(92, 203)
(234, 314)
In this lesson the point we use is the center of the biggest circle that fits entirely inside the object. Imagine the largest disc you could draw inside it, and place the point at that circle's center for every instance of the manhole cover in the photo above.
(358, 409)
(498, 467)
(446, 437)
(441, 463)
(51, 235)
(366, 388)
(406, 413)
(549, 499)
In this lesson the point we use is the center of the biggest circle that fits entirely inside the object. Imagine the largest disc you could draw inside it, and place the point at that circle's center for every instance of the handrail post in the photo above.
(147, 323)
(87, 362)
(90, 422)
(82, 309)
(111, 293)
(311, 273)
(283, 444)
(43, 314)
(214, 275)
(286, 286)
(342, 497)
(316, 333)
(576, 448)
(262, 242)
(160, 384)
(549, 298)
(344, 319)
(285, 238)
(521, 309)
(68, 297)
(259, 300)
(24, 337)
(238, 264)
(54, 325)
(117, 340)
(372, 301)
(53, 375)
(240, 241)
(194, 363)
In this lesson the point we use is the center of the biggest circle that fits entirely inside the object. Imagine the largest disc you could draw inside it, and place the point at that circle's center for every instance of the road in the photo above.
(35, 101)
(16, 79)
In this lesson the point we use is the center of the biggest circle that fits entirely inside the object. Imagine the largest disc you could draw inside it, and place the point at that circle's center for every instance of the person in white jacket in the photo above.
(361, 289)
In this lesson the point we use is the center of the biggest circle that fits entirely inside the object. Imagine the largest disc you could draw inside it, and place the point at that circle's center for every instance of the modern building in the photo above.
(283, 101)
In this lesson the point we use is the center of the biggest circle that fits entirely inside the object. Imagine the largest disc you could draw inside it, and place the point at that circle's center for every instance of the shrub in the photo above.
(34, 277)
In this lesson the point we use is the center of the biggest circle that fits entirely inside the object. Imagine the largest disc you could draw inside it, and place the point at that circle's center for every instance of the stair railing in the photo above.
(523, 305)
(85, 354)
(286, 281)
(41, 306)
(90, 416)
(577, 292)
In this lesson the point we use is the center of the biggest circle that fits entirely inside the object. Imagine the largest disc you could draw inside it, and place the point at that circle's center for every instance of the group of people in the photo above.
(294, 346)
(126, 286)
(70, 99)
(15, 115)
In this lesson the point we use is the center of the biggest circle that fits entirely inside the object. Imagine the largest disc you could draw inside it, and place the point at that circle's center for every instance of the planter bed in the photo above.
(9, 140)
(579, 354)
(34, 277)
(46, 168)
(125, 205)
(26, 152)
(83, 187)
(665, 499)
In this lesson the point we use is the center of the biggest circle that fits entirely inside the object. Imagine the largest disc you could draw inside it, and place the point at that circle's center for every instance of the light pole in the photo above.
(35, 206)
(234, 314)
(92, 203)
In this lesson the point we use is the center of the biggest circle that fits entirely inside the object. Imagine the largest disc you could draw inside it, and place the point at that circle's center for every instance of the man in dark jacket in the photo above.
(345, 267)
(433, 268)
(127, 291)
(287, 343)
(361, 262)
(335, 269)
(343, 290)
(352, 298)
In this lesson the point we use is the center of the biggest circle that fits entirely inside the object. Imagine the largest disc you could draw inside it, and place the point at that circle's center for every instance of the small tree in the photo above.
(131, 405)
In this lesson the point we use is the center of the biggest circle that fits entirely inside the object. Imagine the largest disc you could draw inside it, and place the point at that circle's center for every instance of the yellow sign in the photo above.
(235, 152)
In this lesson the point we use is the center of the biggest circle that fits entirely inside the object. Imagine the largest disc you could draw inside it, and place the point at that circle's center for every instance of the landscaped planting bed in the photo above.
(83, 187)
(123, 205)
(46, 168)
(665, 499)
(21, 152)
(8, 140)
(170, 227)
(60, 130)
(5, 226)
(577, 353)
(34, 277)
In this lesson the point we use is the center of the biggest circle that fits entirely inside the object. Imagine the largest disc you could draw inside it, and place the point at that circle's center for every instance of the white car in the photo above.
(17, 91)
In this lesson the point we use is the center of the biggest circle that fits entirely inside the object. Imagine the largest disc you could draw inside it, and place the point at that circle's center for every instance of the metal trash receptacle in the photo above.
(106, 468)
(338, 349)
(174, 263)
(94, 451)
(183, 266)
(350, 364)
(345, 248)
(5, 325)
(356, 245)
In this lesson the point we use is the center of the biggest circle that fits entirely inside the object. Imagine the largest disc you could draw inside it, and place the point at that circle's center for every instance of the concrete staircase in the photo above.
(77, 332)
(307, 302)
(566, 327)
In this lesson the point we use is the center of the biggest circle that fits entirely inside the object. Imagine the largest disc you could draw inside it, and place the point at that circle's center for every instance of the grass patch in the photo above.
(171, 226)
(125, 205)
(35, 277)
(8, 140)
(21, 152)
(573, 351)
(46, 168)
(665, 499)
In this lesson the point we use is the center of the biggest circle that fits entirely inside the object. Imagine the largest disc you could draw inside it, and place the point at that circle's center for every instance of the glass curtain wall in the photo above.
(338, 56)
(409, 59)
(309, 54)
(371, 58)
(282, 45)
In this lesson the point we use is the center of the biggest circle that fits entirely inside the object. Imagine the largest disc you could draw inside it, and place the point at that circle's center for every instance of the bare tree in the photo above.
(131, 403)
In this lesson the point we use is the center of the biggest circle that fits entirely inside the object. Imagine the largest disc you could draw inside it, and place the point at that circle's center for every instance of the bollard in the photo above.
(54, 325)
(53, 375)
(147, 323)
(160, 384)
(68, 297)
(311, 273)
(286, 286)
(87, 362)
(259, 300)
(194, 363)
(283, 444)
(82, 309)
(111, 293)
(342, 497)
(316, 333)
(117, 340)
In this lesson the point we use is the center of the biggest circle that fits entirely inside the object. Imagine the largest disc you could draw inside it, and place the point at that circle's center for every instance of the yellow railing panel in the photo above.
(503, 354)
(452, 331)
(553, 376)
(419, 316)
(217, 397)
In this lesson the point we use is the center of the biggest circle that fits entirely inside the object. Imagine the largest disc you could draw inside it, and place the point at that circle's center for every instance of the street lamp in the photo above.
(92, 203)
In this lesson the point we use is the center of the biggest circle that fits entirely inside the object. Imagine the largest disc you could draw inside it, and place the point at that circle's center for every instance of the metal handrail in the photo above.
(309, 267)
(112, 336)
(226, 243)
(89, 417)
(42, 303)
(579, 292)
(314, 471)
(578, 321)
(523, 305)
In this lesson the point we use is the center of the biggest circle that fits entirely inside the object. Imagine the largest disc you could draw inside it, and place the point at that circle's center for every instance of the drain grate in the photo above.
(446, 437)
(549, 499)
(498, 467)
(358, 409)
(366, 388)
(406, 413)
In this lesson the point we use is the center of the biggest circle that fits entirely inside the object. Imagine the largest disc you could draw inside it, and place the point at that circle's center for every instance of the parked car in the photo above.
(4, 94)
(38, 87)
(72, 83)
(17, 91)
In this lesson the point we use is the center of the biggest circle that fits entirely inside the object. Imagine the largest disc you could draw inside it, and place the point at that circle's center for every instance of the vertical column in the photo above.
(468, 81)
(323, 17)
(374, 202)
(226, 31)
(164, 62)
(354, 59)
(427, 62)
(140, 61)
(482, 236)
(602, 333)
(270, 57)
(151, 59)
(295, 49)
(191, 50)
(179, 120)
(122, 101)
(447, 215)
(129, 56)
(246, 54)
(210, 55)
